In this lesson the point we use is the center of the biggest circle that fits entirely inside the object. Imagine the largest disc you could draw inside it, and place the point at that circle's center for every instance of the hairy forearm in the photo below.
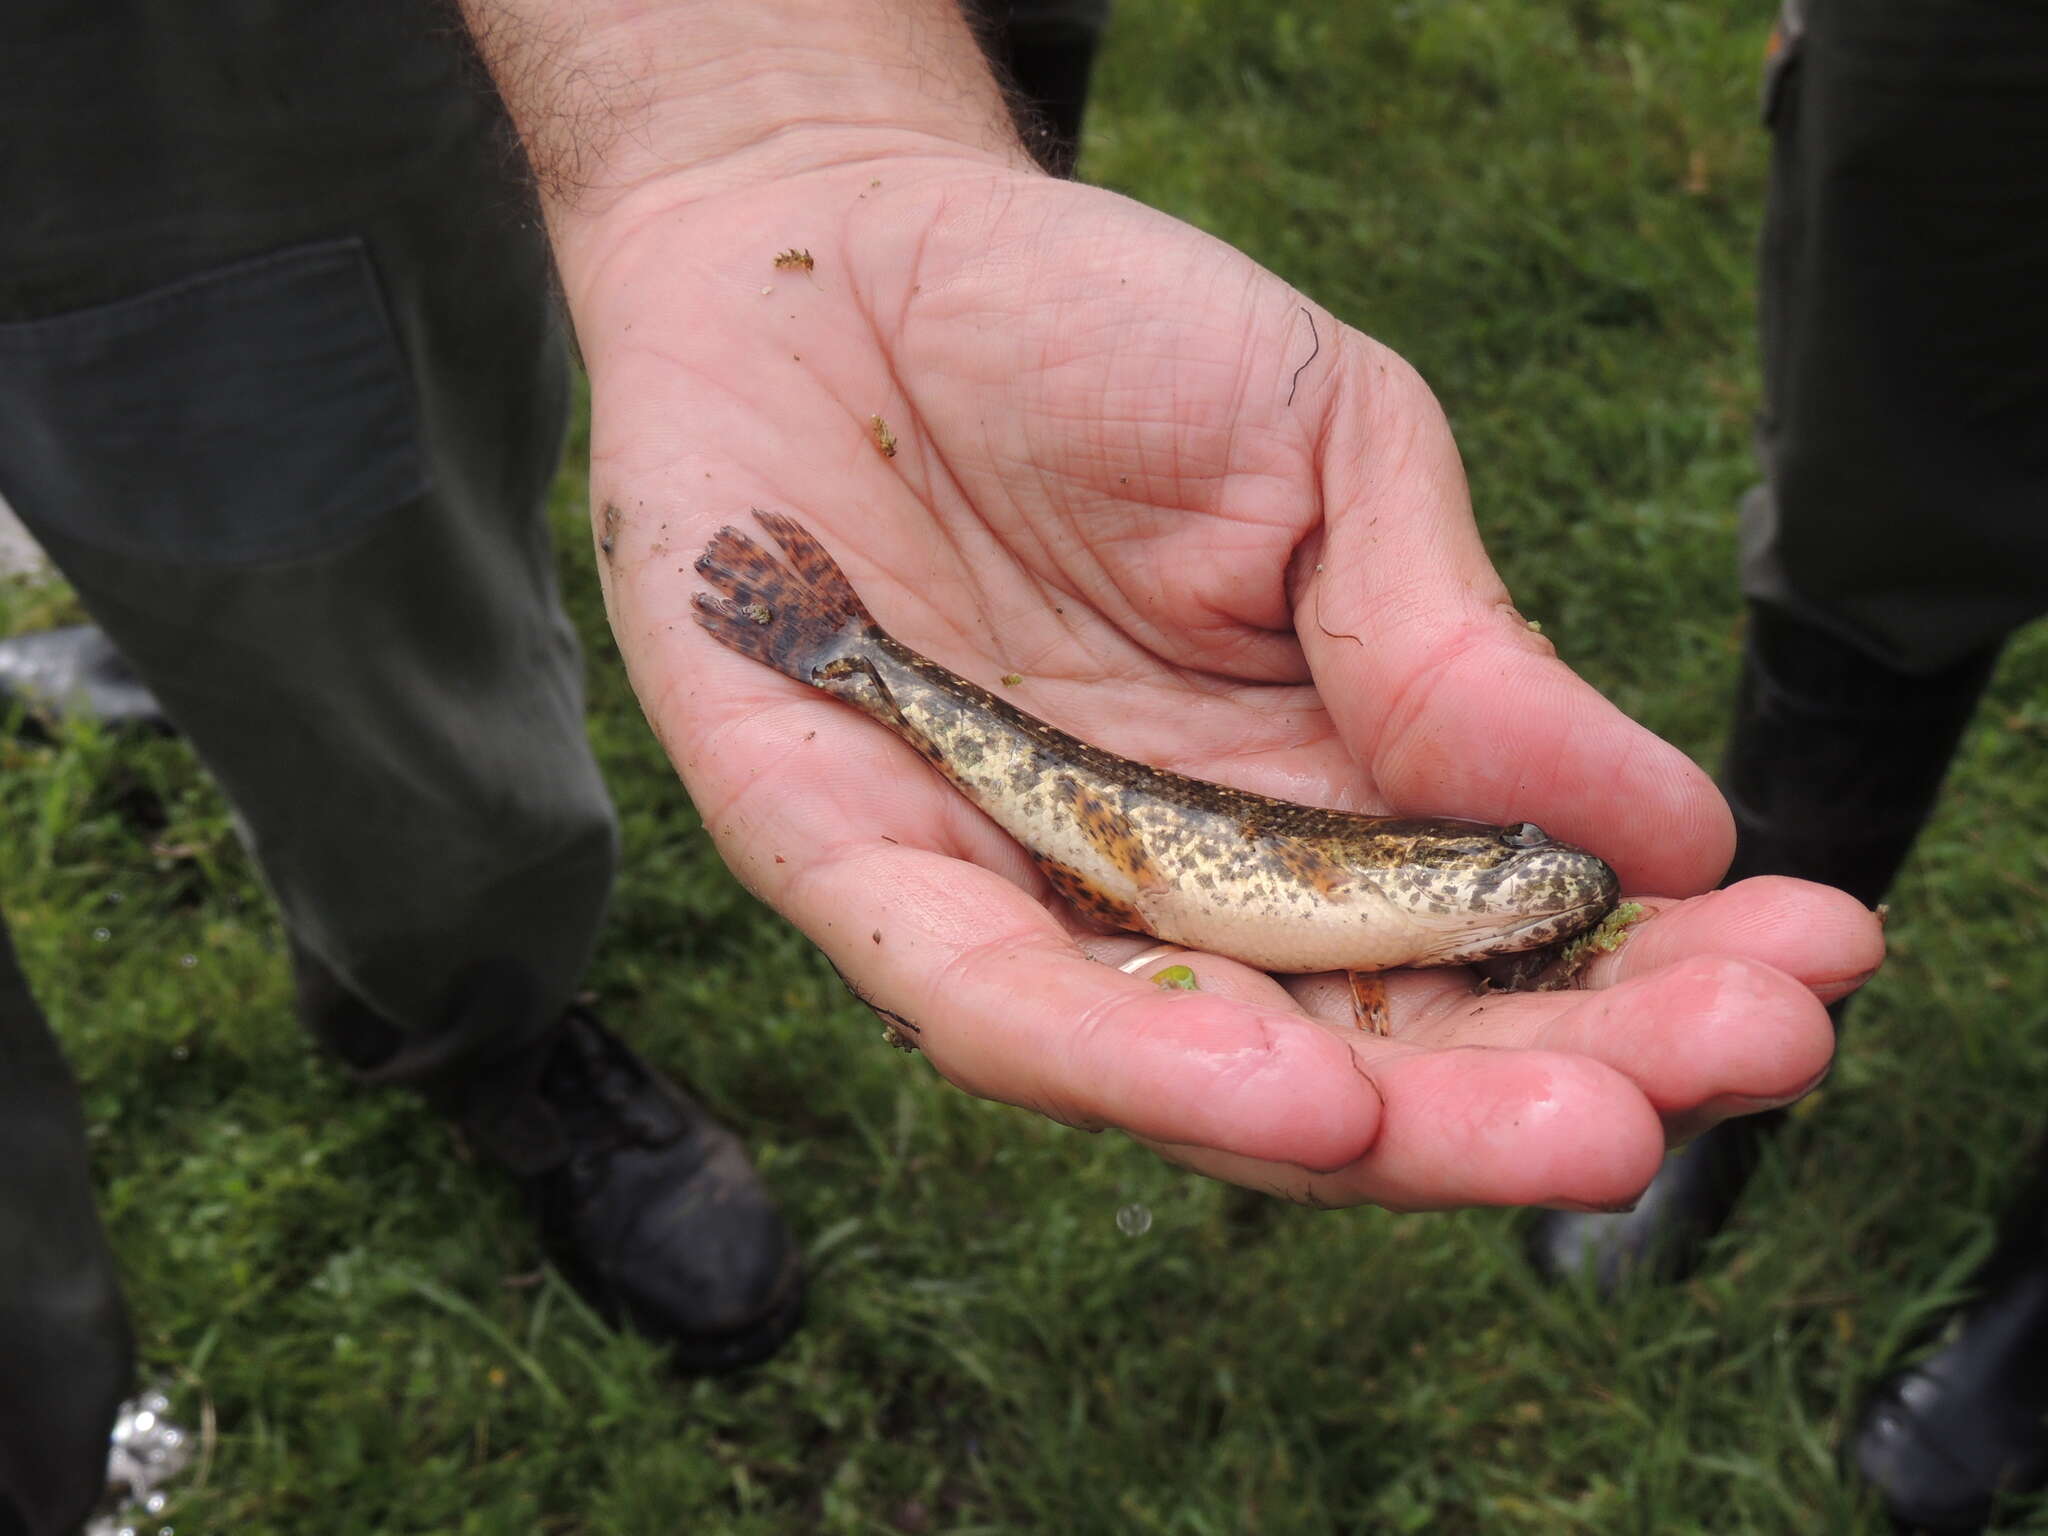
(615, 96)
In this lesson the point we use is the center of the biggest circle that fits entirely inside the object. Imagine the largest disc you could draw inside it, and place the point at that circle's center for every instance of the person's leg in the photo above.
(282, 395)
(1902, 529)
(1833, 762)
(1902, 532)
(1044, 51)
(65, 1350)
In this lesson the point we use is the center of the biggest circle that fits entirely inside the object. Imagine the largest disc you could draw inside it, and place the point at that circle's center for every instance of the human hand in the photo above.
(1209, 529)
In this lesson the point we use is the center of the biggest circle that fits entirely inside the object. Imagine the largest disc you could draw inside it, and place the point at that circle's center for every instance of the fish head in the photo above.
(1475, 889)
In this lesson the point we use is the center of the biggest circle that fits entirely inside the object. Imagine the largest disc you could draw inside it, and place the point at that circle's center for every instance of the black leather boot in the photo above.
(63, 674)
(647, 1205)
(1945, 1439)
(1833, 764)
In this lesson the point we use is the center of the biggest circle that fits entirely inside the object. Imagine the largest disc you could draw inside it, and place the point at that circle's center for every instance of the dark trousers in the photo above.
(1904, 311)
(282, 393)
(64, 1341)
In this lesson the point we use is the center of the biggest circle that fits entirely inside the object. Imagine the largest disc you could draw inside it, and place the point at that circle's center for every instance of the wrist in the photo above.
(630, 107)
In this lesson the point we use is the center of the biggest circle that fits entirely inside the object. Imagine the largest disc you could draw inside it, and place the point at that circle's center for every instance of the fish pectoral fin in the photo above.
(1313, 868)
(1110, 833)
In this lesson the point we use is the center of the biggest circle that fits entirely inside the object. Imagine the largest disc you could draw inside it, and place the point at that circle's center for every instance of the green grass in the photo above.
(1551, 210)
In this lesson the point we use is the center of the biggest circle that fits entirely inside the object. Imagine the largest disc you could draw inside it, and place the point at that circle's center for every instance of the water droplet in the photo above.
(156, 1402)
(115, 898)
(1134, 1220)
(145, 1421)
(188, 961)
(101, 935)
(155, 1503)
(173, 1436)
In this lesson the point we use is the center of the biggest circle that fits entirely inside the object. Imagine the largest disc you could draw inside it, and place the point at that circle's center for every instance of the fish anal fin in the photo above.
(1369, 1009)
(1089, 899)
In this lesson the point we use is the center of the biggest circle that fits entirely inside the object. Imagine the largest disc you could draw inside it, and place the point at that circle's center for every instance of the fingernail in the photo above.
(1753, 1106)
(1582, 1208)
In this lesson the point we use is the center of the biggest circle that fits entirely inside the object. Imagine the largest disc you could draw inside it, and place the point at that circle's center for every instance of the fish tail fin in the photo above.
(792, 617)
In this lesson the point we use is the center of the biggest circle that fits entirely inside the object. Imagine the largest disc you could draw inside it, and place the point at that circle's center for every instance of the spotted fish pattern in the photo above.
(1277, 885)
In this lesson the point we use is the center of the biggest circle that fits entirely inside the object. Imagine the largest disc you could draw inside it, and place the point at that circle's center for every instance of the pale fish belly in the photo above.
(1183, 875)
(1234, 897)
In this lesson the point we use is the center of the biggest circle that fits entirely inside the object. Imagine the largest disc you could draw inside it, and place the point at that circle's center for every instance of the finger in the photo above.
(1711, 1035)
(1457, 705)
(1009, 1007)
(1478, 1127)
(1824, 937)
(1189, 970)
(1714, 1006)
(1704, 1040)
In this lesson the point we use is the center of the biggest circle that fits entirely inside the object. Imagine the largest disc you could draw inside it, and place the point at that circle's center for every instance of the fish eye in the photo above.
(1524, 835)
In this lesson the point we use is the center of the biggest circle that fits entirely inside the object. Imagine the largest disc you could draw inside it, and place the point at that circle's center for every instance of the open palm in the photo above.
(1195, 521)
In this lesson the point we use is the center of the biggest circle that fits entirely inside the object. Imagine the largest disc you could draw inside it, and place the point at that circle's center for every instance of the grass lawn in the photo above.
(1551, 210)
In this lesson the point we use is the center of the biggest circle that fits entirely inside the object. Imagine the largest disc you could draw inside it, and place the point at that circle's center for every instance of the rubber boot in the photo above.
(1946, 1438)
(1833, 765)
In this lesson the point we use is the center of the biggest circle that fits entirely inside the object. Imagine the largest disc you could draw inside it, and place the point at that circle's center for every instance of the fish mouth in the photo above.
(1573, 918)
(1530, 933)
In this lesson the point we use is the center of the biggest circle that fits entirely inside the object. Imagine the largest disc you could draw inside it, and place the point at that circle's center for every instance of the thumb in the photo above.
(1457, 706)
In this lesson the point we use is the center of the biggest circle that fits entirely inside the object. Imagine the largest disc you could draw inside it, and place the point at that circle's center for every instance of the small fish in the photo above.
(1276, 885)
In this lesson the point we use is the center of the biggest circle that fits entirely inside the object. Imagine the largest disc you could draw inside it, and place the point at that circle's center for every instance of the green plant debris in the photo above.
(1603, 938)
